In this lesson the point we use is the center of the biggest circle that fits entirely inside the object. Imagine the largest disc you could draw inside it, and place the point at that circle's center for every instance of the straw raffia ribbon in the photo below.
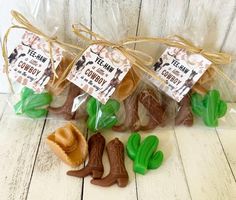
(138, 58)
(143, 60)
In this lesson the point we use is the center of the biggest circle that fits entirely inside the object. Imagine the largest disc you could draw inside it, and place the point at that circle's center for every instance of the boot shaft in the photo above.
(115, 151)
(96, 145)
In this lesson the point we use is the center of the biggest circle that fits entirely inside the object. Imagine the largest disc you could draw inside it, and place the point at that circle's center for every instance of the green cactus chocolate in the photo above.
(143, 154)
(32, 104)
(101, 116)
(210, 107)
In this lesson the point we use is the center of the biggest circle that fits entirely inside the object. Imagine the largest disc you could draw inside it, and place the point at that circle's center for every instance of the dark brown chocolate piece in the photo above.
(131, 115)
(184, 114)
(118, 173)
(96, 145)
(65, 109)
(156, 111)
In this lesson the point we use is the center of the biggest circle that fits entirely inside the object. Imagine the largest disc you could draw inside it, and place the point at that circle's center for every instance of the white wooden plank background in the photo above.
(19, 142)
(200, 163)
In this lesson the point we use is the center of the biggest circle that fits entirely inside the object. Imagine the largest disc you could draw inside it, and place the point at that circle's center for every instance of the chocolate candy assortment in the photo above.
(70, 145)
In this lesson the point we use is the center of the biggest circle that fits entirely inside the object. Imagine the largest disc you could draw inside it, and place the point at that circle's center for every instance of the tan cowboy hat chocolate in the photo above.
(69, 144)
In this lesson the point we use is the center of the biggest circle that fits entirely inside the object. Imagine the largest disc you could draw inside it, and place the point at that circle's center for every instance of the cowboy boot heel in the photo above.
(97, 174)
(122, 182)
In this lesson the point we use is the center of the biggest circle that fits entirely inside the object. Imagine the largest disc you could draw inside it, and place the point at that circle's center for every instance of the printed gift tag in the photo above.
(180, 70)
(99, 70)
(30, 63)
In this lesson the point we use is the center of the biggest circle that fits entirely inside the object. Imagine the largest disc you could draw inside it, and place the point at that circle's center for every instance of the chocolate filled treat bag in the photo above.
(116, 76)
(36, 58)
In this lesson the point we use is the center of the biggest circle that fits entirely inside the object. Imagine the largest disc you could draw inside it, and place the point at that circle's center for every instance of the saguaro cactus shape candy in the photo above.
(210, 107)
(101, 116)
(144, 153)
(31, 104)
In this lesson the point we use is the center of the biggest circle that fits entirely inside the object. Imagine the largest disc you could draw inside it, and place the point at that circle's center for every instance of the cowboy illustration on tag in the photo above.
(188, 84)
(14, 56)
(113, 83)
(80, 65)
(159, 65)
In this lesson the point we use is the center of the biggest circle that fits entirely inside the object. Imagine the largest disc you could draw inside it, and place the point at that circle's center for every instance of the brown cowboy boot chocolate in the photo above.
(131, 121)
(184, 114)
(118, 173)
(96, 145)
(155, 109)
(66, 108)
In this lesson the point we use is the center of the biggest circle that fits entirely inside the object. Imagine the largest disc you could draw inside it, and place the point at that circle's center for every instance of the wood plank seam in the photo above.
(182, 164)
(136, 33)
(139, 14)
(5, 104)
(84, 164)
(91, 16)
(233, 15)
(91, 28)
(65, 18)
(136, 186)
(186, 12)
(230, 167)
(82, 187)
(4, 109)
(35, 158)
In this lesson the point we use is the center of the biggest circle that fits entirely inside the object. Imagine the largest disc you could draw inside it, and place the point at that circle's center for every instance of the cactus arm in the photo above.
(91, 123)
(36, 101)
(112, 106)
(18, 107)
(31, 103)
(26, 92)
(36, 113)
(211, 103)
(145, 152)
(197, 105)
(92, 106)
(222, 109)
(106, 121)
(133, 145)
(156, 160)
